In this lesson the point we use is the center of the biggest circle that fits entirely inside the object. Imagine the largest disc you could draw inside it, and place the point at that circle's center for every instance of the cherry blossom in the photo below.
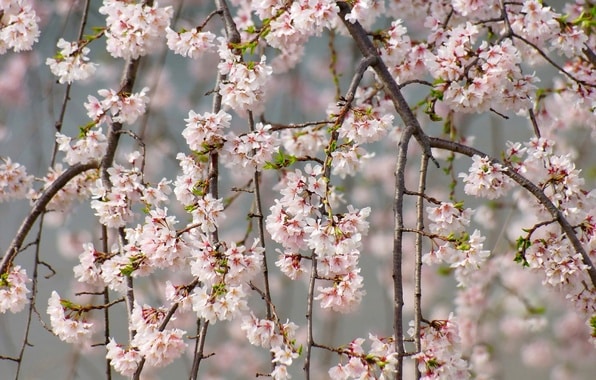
(124, 361)
(67, 322)
(15, 183)
(204, 132)
(253, 149)
(87, 148)
(117, 107)
(192, 43)
(13, 290)
(19, 26)
(134, 30)
(486, 179)
(71, 62)
(259, 187)
(245, 84)
(441, 356)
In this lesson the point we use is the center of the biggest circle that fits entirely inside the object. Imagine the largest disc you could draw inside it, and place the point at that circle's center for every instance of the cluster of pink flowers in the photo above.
(204, 132)
(295, 222)
(365, 125)
(89, 268)
(187, 186)
(124, 360)
(301, 196)
(13, 290)
(14, 180)
(117, 107)
(158, 346)
(134, 30)
(68, 320)
(282, 343)
(71, 62)
(113, 203)
(19, 28)
(307, 142)
(553, 255)
(223, 270)
(486, 179)
(377, 363)
(462, 251)
(251, 150)
(404, 59)
(156, 244)
(440, 356)
(348, 159)
(244, 87)
(192, 43)
(87, 148)
(290, 27)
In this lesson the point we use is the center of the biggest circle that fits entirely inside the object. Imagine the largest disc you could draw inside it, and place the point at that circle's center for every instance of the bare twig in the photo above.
(418, 261)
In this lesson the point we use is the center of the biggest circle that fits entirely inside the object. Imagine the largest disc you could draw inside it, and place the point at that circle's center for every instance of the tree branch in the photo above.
(39, 208)
(533, 189)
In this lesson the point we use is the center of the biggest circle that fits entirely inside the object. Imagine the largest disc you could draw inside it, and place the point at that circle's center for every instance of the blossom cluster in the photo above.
(281, 343)
(486, 179)
(224, 270)
(71, 62)
(404, 59)
(204, 132)
(296, 223)
(134, 29)
(116, 107)
(68, 320)
(440, 356)
(13, 290)
(245, 84)
(151, 342)
(87, 148)
(288, 28)
(14, 180)
(192, 43)
(459, 249)
(377, 363)
(19, 28)
(252, 150)
(478, 79)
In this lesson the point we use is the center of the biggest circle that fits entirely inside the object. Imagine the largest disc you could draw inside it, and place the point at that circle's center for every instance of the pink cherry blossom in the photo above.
(15, 183)
(71, 63)
(69, 326)
(13, 290)
(134, 30)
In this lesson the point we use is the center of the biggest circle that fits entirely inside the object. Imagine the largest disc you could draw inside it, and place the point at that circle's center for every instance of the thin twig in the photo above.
(418, 261)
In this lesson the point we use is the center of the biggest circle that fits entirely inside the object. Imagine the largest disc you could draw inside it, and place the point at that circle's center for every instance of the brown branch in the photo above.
(533, 189)
(418, 261)
(392, 89)
(39, 207)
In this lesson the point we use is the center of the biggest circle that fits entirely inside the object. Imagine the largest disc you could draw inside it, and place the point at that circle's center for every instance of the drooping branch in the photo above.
(398, 206)
(392, 89)
(533, 189)
(38, 209)
(349, 98)
(418, 261)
